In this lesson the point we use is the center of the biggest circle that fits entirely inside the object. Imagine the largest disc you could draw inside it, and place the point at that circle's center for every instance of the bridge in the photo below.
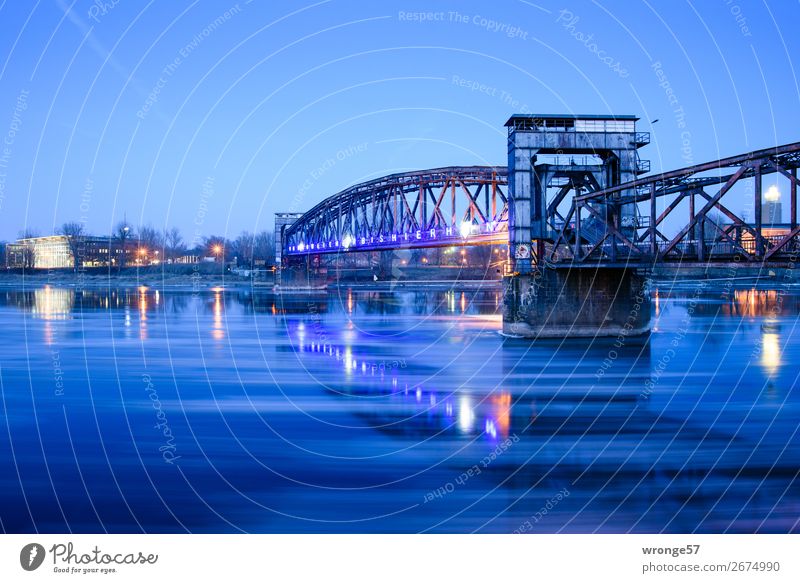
(574, 195)
(702, 236)
(460, 205)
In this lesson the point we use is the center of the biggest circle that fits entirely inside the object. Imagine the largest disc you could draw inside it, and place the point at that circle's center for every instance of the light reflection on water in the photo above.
(344, 411)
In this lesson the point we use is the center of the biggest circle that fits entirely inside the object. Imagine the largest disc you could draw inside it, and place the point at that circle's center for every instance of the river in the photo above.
(405, 410)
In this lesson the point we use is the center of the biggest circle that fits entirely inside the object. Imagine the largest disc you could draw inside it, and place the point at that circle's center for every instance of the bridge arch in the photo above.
(456, 205)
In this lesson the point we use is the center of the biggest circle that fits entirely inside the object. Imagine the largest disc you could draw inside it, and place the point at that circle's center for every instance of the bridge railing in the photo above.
(687, 250)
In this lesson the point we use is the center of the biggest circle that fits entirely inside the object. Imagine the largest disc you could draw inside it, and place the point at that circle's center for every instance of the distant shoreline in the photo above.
(184, 278)
(208, 277)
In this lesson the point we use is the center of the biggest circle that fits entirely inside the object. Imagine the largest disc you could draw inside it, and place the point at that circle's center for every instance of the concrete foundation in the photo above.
(578, 303)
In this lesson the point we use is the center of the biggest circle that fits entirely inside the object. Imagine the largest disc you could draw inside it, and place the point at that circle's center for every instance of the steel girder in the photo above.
(702, 237)
(444, 206)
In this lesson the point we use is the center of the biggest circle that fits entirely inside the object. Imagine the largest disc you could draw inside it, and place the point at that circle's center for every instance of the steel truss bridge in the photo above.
(591, 233)
(460, 205)
(469, 205)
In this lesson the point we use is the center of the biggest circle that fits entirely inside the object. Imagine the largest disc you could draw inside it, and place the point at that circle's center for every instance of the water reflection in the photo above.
(751, 302)
(51, 303)
(347, 408)
(481, 409)
(770, 347)
(142, 313)
(218, 332)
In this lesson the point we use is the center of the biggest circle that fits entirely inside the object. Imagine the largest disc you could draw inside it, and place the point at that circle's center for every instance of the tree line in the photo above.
(247, 249)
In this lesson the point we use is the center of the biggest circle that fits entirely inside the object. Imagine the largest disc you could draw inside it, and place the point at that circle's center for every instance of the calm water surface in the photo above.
(396, 411)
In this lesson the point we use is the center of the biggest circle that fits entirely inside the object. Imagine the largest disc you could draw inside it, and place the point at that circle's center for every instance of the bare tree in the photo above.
(264, 247)
(74, 232)
(242, 248)
(151, 242)
(123, 234)
(174, 243)
(479, 256)
(28, 251)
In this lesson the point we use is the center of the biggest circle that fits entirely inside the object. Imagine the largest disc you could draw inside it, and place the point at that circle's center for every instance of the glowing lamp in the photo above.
(773, 194)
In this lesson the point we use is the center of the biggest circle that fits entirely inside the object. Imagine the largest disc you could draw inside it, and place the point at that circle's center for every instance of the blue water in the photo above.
(392, 411)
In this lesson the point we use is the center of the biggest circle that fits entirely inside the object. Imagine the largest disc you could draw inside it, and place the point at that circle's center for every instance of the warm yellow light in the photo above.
(771, 352)
(143, 252)
(773, 194)
(217, 249)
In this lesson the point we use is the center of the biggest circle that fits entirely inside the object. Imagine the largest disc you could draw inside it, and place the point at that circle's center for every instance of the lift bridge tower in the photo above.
(551, 160)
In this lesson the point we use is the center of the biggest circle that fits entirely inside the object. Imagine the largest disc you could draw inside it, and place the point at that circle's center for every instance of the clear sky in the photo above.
(211, 116)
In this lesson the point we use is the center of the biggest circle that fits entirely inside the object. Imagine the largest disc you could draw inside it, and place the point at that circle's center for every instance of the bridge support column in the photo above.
(576, 303)
(305, 272)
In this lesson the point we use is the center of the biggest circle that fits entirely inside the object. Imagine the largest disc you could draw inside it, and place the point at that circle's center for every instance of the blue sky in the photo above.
(212, 116)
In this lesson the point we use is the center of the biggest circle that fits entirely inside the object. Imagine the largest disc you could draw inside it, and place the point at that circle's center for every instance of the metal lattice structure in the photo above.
(591, 232)
(460, 205)
(469, 205)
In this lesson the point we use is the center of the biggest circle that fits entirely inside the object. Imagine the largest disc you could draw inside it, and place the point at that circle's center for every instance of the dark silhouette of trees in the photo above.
(123, 234)
(74, 232)
(173, 241)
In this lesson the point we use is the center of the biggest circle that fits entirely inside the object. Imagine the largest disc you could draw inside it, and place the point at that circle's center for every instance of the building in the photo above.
(57, 252)
(40, 253)
(771, 208)
(772, 225)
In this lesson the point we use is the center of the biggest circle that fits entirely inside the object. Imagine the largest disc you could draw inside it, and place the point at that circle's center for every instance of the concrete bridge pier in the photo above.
(576, 303)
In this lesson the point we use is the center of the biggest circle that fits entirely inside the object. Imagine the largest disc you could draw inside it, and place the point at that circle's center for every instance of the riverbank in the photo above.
(199, 276)
(207, 276)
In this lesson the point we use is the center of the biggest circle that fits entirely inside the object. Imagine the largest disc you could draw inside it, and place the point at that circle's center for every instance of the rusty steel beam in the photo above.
(422, 209)
(732, 161)
(709, 205)
(782, 243)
